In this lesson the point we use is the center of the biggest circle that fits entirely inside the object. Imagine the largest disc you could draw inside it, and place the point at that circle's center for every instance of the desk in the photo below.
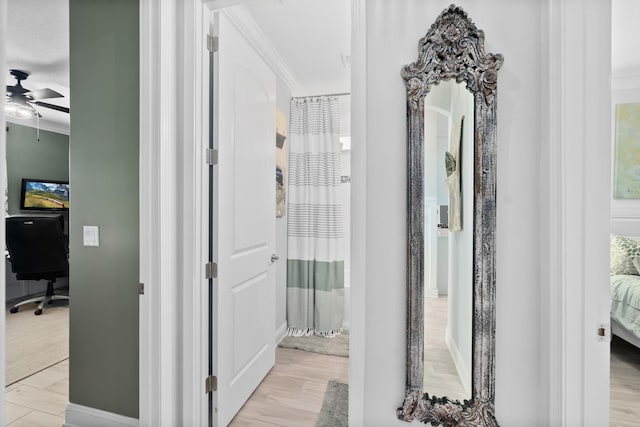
(20, 289)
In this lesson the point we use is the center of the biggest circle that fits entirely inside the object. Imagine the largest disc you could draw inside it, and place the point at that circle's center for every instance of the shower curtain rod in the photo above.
(329, 94)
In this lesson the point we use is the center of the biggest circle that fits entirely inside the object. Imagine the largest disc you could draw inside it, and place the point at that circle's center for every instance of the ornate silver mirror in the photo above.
(452, 51)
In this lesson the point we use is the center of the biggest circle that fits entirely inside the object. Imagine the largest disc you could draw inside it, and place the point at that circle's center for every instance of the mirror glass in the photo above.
(448, 246)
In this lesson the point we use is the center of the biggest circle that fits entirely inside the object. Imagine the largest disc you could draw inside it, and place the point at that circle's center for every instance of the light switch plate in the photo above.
(91, 235)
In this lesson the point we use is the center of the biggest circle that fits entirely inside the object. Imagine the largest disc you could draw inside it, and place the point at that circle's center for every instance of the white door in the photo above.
(244, 182)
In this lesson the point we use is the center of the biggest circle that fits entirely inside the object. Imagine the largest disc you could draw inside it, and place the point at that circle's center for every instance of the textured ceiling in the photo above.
(38, 42)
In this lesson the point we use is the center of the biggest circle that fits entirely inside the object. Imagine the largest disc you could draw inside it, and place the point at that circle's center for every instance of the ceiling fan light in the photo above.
(19, 111)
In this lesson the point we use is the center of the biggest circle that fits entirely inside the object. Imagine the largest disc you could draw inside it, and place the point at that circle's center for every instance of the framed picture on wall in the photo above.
(281, 163)
(626, 161)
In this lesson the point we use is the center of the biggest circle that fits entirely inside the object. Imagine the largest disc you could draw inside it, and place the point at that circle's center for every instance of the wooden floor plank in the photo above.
(625, 384)
(293, 392)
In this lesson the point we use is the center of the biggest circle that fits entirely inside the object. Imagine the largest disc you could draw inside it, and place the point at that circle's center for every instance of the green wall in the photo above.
(28, 158)
(104, 189)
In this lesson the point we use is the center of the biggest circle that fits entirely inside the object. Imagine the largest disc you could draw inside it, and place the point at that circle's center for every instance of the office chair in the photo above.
(38, 250)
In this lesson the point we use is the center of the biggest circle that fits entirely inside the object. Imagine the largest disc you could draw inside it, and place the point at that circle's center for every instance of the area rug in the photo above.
(337, 346)
(335, 407)
(34, 343)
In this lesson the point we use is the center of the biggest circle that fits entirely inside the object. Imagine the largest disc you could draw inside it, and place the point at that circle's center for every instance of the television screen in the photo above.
(43, 194)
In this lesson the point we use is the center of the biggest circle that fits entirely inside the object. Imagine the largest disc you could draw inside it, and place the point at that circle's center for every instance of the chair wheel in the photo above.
(13, 310)
(38, 312)
(50, 302)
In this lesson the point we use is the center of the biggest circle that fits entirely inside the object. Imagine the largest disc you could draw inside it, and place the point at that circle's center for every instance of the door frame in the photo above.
(173, 125)
(173, 351)
(575, 205)
(173, 326)
(3, 174)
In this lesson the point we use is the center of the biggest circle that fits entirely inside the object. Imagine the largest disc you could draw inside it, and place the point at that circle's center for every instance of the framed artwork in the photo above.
(626, 161)
(281, 163)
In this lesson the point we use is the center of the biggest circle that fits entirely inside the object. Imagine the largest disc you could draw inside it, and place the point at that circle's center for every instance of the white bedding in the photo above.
(625, 307)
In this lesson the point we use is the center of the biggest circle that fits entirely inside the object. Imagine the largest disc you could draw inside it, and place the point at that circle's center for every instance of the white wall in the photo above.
(459, 325)
(392, 34)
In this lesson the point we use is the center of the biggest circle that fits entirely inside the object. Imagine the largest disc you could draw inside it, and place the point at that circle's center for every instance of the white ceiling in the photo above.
(38, 42)
(312, 37)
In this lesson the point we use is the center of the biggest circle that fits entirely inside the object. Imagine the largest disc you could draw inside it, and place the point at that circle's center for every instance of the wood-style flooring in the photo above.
(35, 342)
(39, 400)
(440, 374)
(625, 384)
(292, 393)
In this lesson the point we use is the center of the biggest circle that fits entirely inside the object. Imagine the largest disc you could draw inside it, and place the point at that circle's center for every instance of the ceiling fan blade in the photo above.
(52, 106)
(45, 93)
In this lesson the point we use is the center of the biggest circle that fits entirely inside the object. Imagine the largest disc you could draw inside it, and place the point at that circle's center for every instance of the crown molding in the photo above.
(248, 27)
(44, 125)
(625, 81)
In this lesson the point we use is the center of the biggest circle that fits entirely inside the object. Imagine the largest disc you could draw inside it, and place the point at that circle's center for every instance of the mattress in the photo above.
(625, 303)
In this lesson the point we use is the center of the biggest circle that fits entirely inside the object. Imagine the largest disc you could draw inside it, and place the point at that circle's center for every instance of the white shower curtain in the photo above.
(315, 264)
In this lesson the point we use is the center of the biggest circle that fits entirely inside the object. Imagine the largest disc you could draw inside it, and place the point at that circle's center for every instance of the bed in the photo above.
(625, 307)
(625, 288)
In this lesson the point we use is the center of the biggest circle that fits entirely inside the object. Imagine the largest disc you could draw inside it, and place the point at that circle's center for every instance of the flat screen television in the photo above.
(44, 195)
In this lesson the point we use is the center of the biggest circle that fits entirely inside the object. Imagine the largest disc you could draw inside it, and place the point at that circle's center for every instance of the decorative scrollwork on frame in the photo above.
(440, 411)
(453, 49)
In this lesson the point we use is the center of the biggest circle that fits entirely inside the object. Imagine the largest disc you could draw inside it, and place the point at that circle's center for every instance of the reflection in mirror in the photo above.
(448, 241)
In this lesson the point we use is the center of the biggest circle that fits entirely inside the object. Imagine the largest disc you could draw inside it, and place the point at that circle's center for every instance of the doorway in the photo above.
(37, 162)
(625, 217)
(269, 18)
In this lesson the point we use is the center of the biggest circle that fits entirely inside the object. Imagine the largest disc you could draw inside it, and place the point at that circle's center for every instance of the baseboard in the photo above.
(463, 370)
(431, 293)
(84, 416)
(281, 332)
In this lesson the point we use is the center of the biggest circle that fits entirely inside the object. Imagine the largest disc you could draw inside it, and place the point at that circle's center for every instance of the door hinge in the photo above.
(212, 156)
(211, 384)
(211, 270)
(141, 288)
(212, 43)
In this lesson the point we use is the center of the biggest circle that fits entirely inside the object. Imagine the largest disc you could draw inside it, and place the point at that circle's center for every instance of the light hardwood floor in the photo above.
(625, 384)
(291, 394)
(39, 400)
(440, 374)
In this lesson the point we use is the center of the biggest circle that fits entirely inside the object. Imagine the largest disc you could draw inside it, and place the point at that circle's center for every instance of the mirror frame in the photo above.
(453, 48)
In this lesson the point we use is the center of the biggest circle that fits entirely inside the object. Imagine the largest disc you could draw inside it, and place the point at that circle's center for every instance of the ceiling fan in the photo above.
(19, 102)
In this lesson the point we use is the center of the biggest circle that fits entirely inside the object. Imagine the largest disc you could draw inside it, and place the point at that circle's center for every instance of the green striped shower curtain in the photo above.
(315, 264)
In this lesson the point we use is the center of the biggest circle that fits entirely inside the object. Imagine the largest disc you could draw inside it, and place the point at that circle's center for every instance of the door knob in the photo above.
(274, 258)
